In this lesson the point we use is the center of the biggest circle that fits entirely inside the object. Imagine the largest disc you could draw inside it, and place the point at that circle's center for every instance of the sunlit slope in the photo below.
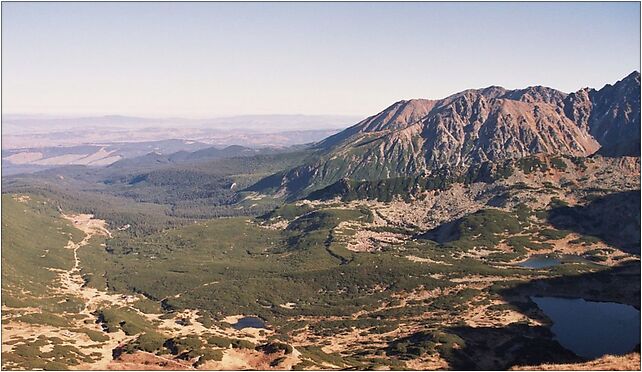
(46, 323)
(34, 237)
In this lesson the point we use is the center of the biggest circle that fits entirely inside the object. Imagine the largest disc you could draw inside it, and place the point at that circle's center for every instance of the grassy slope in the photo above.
(233, 265)
(34, 236)
(33, 242)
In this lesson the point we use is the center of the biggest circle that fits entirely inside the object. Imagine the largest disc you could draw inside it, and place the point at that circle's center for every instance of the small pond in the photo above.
(539, 261)
(542, 261)
(591, 329)
(249, 322)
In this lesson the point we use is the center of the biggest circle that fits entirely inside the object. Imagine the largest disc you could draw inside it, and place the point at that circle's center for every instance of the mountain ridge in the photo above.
(420, 136)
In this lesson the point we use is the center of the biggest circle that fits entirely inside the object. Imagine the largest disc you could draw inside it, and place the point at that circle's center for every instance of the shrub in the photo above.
(219, 341)
(550, 234)
(558, 163)
(277, 361)
(275, 347)
(243, 344)
(150, 342)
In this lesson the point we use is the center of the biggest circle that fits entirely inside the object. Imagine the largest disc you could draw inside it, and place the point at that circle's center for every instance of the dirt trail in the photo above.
(72, 284)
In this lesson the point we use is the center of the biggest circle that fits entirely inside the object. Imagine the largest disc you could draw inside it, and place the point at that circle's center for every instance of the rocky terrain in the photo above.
(473, 127)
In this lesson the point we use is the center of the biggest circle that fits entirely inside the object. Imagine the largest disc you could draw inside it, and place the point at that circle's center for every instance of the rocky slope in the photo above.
(422, 137)
(614, 116)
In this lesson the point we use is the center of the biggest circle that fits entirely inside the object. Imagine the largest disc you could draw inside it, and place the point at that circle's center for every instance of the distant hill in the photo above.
(26, 160)
(208, 153)
(264, 123)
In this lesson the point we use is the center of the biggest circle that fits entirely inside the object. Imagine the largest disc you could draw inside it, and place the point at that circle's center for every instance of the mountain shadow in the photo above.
(490, 348)
(614, 218)
(519, 343)
(616, 284)
(485, 348)
(483, 225)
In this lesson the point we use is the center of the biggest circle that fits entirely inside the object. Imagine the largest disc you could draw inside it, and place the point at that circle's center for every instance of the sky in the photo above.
(220, 59)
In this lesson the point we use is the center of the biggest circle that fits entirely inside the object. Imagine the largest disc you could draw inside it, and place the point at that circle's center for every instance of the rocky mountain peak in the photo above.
(614, 118)
(398, 116)
(536, 94)
(477, 126)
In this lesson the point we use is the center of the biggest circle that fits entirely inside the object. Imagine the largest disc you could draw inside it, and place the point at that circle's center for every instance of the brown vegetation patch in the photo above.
(628, 362)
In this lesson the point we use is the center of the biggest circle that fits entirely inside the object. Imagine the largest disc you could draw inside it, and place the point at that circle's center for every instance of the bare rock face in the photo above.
(615, 117)
(474, 128)
(578, 107)
(611, 115)
(396, 117)
(485, 125)
(537, 94)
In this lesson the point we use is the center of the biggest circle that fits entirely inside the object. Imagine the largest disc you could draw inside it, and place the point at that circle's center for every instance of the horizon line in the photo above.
(211, 116)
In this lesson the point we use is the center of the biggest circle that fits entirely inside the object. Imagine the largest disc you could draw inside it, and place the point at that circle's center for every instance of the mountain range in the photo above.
(473, 127)
(424, 237)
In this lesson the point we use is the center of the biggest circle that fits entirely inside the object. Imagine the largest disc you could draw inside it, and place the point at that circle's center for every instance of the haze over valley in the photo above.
(33, 143)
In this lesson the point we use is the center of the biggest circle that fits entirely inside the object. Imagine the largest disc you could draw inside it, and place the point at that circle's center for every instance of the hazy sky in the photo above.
(211, 59)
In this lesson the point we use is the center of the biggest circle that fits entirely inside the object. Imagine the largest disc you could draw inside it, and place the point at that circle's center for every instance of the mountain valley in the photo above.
(423, 237)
